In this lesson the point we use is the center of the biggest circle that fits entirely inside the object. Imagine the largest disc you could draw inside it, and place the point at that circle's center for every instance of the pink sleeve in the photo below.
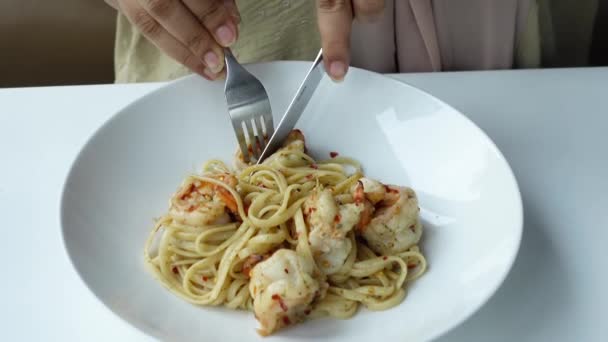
(425, 35)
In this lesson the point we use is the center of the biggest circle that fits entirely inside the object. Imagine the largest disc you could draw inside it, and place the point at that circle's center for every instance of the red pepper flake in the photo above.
(205, 278)
(410, 266)
(286, 320)
(337, 218)
(280, 300)
(333, 154)
(391, 190)
(286, 270)
(314, 166)
(187, 192)
(307, 312)
(384, 257)
(174, 269)
(309, 176)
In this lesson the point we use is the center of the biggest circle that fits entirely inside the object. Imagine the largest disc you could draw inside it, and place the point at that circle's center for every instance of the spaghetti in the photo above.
(288, 239)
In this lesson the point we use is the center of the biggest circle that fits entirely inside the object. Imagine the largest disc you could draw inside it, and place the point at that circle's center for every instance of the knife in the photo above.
(296, 107)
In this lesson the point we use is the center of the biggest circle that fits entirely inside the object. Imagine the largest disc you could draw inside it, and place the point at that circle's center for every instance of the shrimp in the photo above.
(374, 191)
(329, 223)
(282, 288)
(199, 203)
(367, 206)
(394, 224)
(295, 142)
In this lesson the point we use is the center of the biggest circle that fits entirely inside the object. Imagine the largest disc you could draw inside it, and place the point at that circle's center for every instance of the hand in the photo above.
(192, 32)
(335, 19)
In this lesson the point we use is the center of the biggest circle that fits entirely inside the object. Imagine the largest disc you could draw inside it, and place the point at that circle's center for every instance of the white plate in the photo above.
(124, 176)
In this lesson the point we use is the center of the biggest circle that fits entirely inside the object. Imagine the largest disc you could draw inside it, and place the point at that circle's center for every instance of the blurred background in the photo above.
(56, 42)
(52, 42)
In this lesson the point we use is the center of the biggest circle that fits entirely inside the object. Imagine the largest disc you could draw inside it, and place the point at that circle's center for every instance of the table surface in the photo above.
(550, 124)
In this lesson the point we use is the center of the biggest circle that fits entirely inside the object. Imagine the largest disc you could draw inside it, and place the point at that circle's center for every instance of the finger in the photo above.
(157, 34)
(177, 19)
(216, 18)
(233, 10)
(112, 3)
(335, 20)
(368, 10)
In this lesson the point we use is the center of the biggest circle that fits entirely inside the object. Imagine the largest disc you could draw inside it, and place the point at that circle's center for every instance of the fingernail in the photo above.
(212, 60)
(337, 70)
(225, 35)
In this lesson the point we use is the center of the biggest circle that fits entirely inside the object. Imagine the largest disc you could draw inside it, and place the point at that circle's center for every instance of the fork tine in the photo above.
(268, 126)
(251, 136)
(240, 137)
(258, 124)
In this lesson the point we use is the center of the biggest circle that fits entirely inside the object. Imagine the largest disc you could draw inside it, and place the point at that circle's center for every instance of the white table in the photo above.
(551, 125)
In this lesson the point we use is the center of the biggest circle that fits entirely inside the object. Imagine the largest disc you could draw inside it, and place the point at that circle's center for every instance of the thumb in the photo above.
(335, 20)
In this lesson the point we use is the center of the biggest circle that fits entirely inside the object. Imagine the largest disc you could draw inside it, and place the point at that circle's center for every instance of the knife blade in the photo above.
(296, 107)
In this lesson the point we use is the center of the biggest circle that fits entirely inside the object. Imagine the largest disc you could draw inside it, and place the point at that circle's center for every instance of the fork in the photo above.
(248, 107)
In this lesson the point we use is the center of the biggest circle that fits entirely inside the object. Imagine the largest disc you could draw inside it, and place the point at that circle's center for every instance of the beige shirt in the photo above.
(269, 30)
(411, 36)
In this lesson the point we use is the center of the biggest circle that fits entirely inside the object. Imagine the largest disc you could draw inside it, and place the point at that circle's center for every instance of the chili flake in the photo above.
(280, 300)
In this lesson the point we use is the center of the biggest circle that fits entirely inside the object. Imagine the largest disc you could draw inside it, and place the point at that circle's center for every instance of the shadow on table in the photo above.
(530, 297)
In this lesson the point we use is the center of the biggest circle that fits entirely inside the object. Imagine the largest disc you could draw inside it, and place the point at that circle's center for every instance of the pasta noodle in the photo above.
(222, 226)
